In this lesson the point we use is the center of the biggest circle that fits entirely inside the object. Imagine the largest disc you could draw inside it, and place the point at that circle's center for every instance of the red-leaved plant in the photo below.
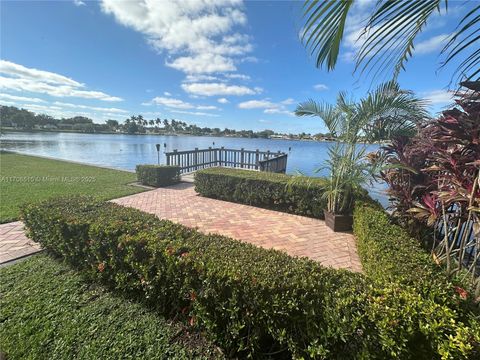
(433, 178)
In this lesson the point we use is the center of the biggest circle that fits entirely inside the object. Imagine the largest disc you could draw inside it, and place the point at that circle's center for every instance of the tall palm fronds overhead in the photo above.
(389, 33)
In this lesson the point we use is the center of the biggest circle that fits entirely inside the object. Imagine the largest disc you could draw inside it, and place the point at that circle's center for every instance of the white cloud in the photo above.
(20, 71)
(320, 87)
(255, 104)
(201, 77)
(212, 89)
(438, 96)
(197, 113)
(223, 101)
(237, 76)
(172, 103)
(268, 106)
(79, 3)
(433, 44)
(207, 107)
(278, 111)
(21, 78)
(191, 32)
(166, 93)
(288, 101)
(203, 63)
(95, 108)
(21, 98)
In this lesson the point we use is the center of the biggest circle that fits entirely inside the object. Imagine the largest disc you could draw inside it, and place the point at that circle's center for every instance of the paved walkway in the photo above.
(296, 235)
(13, 242)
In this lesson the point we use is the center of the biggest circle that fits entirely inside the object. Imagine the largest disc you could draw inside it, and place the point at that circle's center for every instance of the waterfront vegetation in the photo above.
(28, 179)
(49, 311)
(434, 185)
(15, 119)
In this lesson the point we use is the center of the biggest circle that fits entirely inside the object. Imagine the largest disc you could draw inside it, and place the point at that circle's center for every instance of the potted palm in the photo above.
(349, 173)
(384, 113)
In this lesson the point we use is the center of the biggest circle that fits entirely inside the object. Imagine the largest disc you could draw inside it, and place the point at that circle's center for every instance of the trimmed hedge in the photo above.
(263, 189)
(251, 301)
(157, 175)
(390, 255)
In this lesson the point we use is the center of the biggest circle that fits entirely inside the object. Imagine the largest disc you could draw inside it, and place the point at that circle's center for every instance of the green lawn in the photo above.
(47, 311)
(27, 178)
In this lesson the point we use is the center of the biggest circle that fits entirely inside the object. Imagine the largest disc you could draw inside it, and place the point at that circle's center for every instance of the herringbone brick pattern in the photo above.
(296, 235)
(13, 242)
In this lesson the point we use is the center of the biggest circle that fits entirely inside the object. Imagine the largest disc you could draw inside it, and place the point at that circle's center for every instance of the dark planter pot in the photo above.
(338, 222)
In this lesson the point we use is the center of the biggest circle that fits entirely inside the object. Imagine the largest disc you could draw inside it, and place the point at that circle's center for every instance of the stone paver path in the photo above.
(296, 235)
(13, 242)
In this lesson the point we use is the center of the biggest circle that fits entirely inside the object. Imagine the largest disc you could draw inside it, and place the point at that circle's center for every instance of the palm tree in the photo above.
(151, 122)
(389, 34)
(385, 112)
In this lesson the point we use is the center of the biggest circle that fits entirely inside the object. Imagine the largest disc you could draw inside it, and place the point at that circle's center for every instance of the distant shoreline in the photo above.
(8, 129)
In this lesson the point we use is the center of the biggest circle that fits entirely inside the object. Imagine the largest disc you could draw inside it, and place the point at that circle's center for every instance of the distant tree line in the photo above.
(21, 119)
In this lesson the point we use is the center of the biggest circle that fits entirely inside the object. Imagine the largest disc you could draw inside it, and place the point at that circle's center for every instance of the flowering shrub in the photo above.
(433, 178)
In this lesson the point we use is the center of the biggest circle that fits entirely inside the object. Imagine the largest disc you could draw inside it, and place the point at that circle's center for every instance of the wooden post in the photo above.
(195, 159)
(257, 158)
(242, 157)
(220, 156)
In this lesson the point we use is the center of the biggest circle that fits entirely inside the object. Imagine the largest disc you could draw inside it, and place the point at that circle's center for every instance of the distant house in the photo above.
(49, 127)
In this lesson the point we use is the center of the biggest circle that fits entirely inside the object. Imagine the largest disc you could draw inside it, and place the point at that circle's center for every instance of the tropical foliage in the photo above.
(433, 178)
(385, 112)
(387, 40)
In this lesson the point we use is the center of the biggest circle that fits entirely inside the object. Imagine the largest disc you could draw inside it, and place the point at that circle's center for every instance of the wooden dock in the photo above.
(190, 161)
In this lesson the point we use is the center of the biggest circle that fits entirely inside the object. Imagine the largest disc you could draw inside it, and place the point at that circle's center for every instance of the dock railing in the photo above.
(197, 159)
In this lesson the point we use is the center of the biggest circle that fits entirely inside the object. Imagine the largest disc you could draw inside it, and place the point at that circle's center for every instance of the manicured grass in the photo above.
(47, 311)
(28, 178)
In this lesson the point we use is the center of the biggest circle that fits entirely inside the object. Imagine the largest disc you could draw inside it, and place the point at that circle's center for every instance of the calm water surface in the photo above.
(126, 151)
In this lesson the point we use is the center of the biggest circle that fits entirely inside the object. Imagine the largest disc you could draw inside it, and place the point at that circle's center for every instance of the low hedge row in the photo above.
(157, 175)
(390, 255)
(263, 189)
(251, 301)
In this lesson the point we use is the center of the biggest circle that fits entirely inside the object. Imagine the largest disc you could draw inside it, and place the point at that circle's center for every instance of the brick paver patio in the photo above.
(296, 235)
(13, 242)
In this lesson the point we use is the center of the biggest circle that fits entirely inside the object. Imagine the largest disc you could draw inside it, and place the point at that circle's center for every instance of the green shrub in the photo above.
(264, 189)
(391, 256)
(158, 175)
(251, 301)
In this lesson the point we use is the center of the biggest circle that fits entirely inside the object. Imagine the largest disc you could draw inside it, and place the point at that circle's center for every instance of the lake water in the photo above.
(125, 151)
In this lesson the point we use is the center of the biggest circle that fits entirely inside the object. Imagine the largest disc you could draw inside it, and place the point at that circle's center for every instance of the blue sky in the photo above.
(225, 64)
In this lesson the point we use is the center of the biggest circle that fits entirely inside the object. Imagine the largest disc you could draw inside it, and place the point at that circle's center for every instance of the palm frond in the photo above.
(390, 35)
(465, 38)
(324, 28)
(328, 113)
